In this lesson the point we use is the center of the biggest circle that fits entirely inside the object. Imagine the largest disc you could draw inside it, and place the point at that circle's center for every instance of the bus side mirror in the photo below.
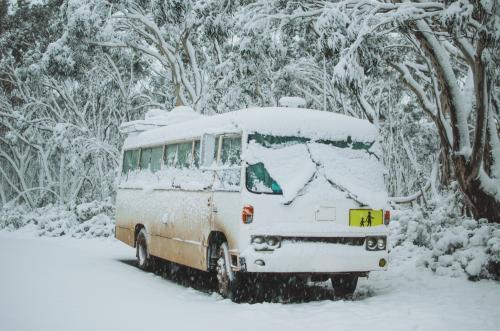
(208, 148)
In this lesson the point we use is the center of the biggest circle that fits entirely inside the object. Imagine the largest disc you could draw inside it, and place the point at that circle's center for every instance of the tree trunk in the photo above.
(481, 204)
(445, 169)
(467, 169)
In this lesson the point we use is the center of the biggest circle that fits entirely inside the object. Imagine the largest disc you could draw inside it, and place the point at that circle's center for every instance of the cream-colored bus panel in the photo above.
(227, 216)
(186, 221)
(176, 221)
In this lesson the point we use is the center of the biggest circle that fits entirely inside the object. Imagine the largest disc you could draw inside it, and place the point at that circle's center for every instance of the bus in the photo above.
(289, 192)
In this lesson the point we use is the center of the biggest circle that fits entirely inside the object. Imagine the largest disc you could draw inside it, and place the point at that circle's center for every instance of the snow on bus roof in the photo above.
(278, 121)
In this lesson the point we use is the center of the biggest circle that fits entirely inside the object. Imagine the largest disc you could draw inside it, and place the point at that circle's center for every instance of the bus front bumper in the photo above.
(313, 258)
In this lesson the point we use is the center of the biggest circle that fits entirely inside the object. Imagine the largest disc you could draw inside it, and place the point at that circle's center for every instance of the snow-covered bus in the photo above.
(270, 191)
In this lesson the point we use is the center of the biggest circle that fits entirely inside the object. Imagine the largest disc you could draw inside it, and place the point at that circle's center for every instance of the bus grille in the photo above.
(351, 241)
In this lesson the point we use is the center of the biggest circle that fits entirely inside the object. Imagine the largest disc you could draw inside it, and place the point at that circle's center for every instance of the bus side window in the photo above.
(145, 158)
(231, 150)
(170, 155)
(184, 155)
(134, 159)
(229, 176)
(156, 158)
(126, 161)
(196, 154)
(130, 160)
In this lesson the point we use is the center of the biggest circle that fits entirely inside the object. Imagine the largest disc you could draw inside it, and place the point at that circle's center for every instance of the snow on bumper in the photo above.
(314, 258)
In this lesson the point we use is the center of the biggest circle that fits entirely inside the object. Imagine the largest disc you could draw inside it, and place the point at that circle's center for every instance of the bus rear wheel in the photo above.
(142, 254)
(344, 285)
(227, 280)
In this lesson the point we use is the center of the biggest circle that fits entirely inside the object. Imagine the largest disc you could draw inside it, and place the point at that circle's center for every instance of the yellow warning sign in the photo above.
(365, 217)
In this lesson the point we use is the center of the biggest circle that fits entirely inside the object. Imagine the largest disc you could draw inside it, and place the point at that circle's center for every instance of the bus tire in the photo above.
(142, 254)
(344, 285)
(227, 280)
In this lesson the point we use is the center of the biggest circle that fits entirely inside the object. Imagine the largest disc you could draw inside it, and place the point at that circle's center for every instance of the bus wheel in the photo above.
(143, 259)
(344, 285)
(226, 278)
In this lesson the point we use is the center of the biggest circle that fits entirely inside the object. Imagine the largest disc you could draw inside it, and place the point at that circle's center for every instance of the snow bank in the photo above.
(447, 243)
(86, 220)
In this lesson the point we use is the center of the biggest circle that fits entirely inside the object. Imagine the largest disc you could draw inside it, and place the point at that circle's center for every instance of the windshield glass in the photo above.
(260, 181)
(287, 165)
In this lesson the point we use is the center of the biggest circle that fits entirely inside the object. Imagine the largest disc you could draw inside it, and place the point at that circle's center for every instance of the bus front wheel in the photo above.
(227, 280)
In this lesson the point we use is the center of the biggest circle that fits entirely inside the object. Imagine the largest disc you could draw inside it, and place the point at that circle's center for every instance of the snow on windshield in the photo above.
(289, 166)
(356, 172)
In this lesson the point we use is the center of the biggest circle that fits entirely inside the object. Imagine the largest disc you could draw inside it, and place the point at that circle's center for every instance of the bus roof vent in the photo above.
(155, 118)
(292, 102)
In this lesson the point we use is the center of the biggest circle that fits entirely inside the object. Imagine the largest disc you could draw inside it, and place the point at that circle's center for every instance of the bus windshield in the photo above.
(258, 180)
(286, 165)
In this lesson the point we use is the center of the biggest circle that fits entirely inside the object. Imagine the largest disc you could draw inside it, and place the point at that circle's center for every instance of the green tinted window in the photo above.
(196, 156)
(145, 158)
(156, 158)
(258, 180)
(130, 160)
(184, 155)
(126, 161)
(279, 141)
(134, 159)
(231, 150)
(170, 155)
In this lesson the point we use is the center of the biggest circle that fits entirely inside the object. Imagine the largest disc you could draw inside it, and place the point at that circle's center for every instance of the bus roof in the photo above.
(278, 121)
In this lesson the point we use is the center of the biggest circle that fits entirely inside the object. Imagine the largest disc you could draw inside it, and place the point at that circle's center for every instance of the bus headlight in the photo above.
(257, 240)
(376, 243)
(272, 241)
(265, 243)
(381, 243)
(371, 243)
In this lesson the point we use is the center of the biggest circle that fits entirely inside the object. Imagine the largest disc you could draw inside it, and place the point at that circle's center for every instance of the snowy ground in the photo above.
(70, 284)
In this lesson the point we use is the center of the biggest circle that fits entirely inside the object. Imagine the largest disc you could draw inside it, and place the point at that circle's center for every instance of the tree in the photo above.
(167, 39)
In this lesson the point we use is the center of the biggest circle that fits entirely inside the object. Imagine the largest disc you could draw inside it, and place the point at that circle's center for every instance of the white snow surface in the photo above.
(155, 118)
(290, 166)
(355, 170)
(168, 178)
(91, 284)
(298, 122)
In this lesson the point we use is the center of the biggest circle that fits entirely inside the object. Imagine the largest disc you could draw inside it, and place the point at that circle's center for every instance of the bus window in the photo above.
(228, 176)
(145, 158)
(170, 155)
(156, 158)
(130, 160)
(231, 150)
(134, 159)
(196, 154)
(184, 155)
(260, 181)
(126, 161)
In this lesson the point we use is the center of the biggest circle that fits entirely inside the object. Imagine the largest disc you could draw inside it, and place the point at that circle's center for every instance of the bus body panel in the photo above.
(176, 222)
